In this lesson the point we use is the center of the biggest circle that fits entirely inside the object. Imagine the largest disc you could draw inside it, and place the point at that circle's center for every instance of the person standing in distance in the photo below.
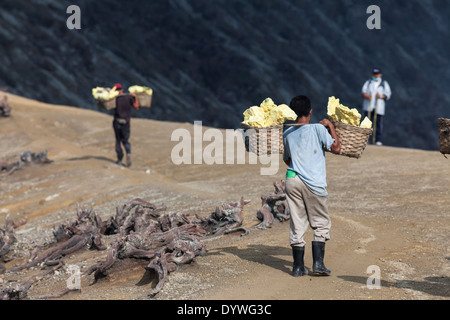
(376, 92)
(306, 183)
(121, 122)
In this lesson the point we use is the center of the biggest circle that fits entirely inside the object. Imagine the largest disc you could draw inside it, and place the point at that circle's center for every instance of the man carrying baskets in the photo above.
(5, 109)
(121, 123)
(306, 191)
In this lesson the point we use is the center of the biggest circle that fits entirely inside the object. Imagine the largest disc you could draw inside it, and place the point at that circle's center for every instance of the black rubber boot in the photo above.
(299, 266)
(128, 160)
(318, 251)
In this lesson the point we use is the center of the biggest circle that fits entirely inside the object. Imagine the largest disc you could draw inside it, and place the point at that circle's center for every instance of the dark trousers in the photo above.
(379, 126)
(122, 133)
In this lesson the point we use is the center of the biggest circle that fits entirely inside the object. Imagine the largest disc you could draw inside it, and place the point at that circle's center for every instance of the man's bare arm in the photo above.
(336, 146)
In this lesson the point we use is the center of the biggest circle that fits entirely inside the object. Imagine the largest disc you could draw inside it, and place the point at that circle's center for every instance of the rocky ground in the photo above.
(389, 209)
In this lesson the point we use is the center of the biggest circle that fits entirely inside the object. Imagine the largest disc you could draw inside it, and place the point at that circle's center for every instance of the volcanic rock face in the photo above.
(211, 60)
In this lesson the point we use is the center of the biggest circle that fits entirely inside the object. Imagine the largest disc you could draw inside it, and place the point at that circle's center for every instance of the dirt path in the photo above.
(389, 209)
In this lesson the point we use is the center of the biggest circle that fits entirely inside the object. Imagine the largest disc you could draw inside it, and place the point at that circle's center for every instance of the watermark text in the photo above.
(74, 20)
(374, 21)
(222, 148)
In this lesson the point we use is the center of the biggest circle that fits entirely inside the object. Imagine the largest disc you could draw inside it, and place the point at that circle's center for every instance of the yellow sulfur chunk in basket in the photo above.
(267, 105)
(140, 89)
(254, 117)
(255, 121)
(104, 93)
(333, 103)
(340, 113)
(345, 115)
(286, 113)
(366, 123)
(279, 114)
(268, 114)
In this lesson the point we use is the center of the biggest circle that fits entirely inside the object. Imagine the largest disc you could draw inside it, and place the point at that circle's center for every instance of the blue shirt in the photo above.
(304, 147)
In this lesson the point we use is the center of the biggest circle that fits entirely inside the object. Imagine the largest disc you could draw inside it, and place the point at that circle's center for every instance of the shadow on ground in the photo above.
(435, 286)
(271, 256)
(266, 255)
(92, 157)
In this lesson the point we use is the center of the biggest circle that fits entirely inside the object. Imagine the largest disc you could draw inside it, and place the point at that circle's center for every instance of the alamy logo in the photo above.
(74, 281)
(74, 21)
(374, 21)
(374, 281)
(222, 148)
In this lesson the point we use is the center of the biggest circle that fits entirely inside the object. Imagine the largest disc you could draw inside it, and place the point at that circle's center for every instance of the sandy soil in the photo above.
(389, 209)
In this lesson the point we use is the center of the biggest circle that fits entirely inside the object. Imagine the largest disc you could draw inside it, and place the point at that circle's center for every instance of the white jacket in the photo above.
(372, 88)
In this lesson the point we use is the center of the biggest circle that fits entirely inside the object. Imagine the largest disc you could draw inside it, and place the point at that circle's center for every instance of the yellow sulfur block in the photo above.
(256, 121)
(340, 113)
(104, 93)
(253, 111)
(271, 118)
(254, 116)
(287, 113)
(140, 89)
(333, 103)
(279, 114)
(268, 114)
(267, 105)
(345, 115)
(366, 123)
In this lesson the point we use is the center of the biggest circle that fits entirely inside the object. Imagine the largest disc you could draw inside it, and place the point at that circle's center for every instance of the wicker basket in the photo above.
(145, 100)
(444, 135)
(264, 141)
(353, 139)
(106, 104)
